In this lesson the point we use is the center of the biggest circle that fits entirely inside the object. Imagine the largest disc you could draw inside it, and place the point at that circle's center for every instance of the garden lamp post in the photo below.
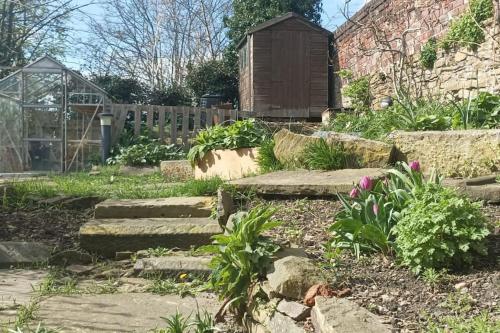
(106, 119)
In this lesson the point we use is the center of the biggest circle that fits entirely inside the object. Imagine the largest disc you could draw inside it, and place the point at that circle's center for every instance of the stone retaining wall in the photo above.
(467, 153)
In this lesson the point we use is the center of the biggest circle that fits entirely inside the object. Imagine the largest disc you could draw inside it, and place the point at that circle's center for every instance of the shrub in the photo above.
(439, 229)
(319, 155)
(241, 256)
(428, 55)
(241, 134)
(359, 92)
(150, 153)
(267, 160)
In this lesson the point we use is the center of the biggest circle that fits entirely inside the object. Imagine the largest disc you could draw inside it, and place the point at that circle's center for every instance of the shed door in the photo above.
(291, 75)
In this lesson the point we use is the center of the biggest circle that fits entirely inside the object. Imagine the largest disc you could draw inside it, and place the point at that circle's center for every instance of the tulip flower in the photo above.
(366, 183)
(415, 166)
(375, 209)
(354, 193)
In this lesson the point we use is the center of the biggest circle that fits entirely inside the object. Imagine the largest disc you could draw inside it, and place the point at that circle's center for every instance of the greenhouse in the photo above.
(49, 119)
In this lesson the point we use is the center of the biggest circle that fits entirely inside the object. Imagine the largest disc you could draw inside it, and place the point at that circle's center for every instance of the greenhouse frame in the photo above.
(49, 119)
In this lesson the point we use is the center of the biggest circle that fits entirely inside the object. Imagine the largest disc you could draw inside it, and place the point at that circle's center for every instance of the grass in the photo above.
(267, 159)
(109, 184)
(171, 286)
(319, 155)
(59, 283)
(483, 323)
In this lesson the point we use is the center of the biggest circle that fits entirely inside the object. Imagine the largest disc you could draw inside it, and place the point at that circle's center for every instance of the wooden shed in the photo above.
(284, 68)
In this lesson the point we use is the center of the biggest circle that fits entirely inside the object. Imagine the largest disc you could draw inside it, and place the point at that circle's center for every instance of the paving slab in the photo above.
(154, 208)
(108, 236)
(306, 182)
(21, 253)
(16, 288)
(174, 265)
(134, 312)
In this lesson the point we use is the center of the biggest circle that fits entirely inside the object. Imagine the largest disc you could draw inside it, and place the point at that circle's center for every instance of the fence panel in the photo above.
(193, 120)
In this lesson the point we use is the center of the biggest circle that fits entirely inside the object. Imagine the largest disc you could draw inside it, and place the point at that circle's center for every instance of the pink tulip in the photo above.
(366, 183)
(415, 166)
(375, 209)
(354, 193)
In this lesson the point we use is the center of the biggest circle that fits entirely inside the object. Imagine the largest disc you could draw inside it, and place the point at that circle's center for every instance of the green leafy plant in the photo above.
(320, 155)
(483, 323)
(267, 160)
(433, 277)
(467, 30)
(241, 134)
(439, 229)
(176, 324)
(428, 54)
(150, 153)
(366, 224)
(241, 257)
(359, 92)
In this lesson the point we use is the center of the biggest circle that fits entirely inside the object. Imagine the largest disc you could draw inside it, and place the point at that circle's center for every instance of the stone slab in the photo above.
(174, 265)
(339, 315)
(306, 182)
(280, 323)
(227, 164)
(164, 207)
(132, 312)
(108, 236)
(16, 288)
(294, 310)
(20, 253)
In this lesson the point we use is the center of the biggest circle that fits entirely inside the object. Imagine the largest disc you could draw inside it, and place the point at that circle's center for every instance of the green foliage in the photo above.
(482, 323)
(319, 155)
(123, 90)
(266, 159)
(359, 92)
(428, 54)
(422, 115)
(147, 154)
(440, 229)
(110, 183)
(202, 323)
(241, 256)
(433, 277)
(172, 96)
(367, 222)
(241, 134)
(467, 30)
(212, 77)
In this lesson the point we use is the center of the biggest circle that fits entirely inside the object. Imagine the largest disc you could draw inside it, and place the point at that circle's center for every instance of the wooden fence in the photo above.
(171, 123)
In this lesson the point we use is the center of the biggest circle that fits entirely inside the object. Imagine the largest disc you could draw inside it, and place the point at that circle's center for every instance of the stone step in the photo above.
(22, 253)
(174, 265)
(108, 236)
(153, 208)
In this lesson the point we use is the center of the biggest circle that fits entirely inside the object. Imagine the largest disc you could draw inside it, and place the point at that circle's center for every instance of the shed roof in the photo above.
(280, 19)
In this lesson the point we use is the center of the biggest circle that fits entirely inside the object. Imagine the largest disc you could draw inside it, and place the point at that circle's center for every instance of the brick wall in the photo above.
(458, 72)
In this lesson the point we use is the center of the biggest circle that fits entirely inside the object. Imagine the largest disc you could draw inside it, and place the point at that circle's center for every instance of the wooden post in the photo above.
(161, 123)
(197, 121)
(173, 124)
(150, 117)
(210, 117)
(185, 125)
(137, 121)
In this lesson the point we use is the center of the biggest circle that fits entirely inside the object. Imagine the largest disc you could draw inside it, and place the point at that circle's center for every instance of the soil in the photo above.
(380, 284)
(53, 226)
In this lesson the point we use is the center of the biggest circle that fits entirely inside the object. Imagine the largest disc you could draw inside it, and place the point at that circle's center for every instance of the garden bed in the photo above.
(378, 283)
(227, 164)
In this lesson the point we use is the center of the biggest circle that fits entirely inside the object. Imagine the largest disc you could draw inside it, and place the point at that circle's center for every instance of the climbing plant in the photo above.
(428, 55)
(467, 29)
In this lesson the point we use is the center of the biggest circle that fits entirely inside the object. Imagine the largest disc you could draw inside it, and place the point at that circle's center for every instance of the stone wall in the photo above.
(468, 153)
(459, 72)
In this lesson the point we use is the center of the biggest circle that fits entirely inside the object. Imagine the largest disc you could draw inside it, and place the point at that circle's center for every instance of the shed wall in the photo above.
(289, 71)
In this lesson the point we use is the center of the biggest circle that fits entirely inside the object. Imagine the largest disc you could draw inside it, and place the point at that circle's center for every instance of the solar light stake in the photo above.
(106, 119)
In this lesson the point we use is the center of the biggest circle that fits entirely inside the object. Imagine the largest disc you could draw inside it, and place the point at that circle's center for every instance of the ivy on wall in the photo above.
(465, 31)
(358, 90)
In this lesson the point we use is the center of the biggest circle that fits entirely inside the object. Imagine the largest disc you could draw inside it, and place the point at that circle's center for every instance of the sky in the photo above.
(331, 19)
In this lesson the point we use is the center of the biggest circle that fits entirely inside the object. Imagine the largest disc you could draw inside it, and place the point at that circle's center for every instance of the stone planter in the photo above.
(227, 164)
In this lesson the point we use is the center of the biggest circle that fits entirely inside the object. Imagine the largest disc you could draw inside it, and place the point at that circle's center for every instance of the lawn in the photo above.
(110, 183)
